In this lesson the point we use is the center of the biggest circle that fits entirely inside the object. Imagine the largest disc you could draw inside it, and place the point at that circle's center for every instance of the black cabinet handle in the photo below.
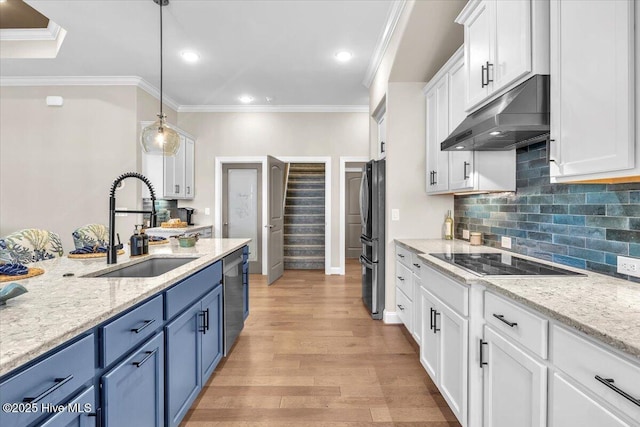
(400, 307)
(59, 382)
(549, 141)
(416, 265)
(401, 278)
(400, 255)
(147, 357)
(482, 69)
(482, 362)
(382, 146)
(486, 69)
(207, 318)
(98, 415)
(501, 318)
(146, 323)
(609, 383)
(435, 177)
(435, 321)
(431, 318)
(465, 174)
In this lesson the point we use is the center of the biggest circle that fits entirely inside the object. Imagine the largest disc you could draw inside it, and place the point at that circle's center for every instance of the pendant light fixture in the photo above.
(159, 137)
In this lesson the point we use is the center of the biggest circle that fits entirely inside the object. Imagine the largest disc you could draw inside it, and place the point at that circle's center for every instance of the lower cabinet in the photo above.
(515, 384)
(194, 348)
(133, 391)
(80, 412)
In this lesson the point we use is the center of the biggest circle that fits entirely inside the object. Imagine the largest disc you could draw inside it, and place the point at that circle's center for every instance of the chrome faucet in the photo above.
(112, 248)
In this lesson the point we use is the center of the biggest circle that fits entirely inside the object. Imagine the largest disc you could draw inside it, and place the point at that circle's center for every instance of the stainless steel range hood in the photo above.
(519, 117)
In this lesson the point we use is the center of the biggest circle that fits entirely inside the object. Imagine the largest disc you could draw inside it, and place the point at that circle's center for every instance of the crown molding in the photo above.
(31, 34)
(90, 81)
(383, 41)
(273, 109)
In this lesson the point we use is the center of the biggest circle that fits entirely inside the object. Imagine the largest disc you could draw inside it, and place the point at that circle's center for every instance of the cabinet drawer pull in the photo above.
(401, 278)
(59, 382)
(482, 362)
(188, 189)
(382, 146)
(501, 318)
(146, 323)
(609, 383)
(431, 318)
(416, 265)
(486, 69)
(435, 177)
(205, 321)
(435, 321)
(400, 255)
(147, 357)
(465, 174)
(177, 188)
(400, 307)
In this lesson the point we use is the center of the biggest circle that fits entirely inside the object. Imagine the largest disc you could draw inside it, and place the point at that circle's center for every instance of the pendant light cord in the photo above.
(160, 3)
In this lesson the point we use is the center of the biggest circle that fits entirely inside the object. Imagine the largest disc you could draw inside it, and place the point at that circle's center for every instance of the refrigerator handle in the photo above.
(366, 240)
(364, 192)
(365, 261)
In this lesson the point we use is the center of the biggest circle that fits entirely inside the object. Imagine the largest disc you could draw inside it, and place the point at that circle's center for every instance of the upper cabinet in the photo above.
(459, 171)
(379, 115)
(172, 177)
(594, 89)
(505, 42)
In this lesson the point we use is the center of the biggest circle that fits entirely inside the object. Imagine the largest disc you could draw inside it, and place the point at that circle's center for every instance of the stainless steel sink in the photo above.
(148, 268)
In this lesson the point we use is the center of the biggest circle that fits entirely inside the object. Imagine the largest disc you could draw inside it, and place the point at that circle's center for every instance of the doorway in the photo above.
(242, 207)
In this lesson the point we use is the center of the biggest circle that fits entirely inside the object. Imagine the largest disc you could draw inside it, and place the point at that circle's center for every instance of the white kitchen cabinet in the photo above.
(416, 330)
(515, 384)
(459, 171)
(445, 333)
(407, 297)
(172, 177)
(379, 115)
(594, 115)
(505, 42)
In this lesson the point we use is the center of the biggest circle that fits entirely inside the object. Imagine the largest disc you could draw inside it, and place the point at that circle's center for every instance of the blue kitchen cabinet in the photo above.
(193, 350)
(79, 412)
(133, 391)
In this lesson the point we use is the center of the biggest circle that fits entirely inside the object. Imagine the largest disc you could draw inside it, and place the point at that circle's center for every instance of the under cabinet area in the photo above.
(594, 109)
(459, 171)
(172, 177)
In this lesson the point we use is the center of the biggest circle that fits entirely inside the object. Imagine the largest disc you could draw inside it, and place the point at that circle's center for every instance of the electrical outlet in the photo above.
(465, 234)
(505, 242)
(395, 214)
(630, 266)
(207, 211)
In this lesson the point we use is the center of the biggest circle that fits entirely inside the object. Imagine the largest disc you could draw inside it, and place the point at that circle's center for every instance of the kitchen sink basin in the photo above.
(148, 268)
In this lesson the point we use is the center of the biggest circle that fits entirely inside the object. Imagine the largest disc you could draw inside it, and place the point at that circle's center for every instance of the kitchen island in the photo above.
(95, 329)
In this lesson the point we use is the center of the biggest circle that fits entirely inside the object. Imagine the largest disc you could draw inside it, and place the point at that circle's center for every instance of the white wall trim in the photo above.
(383, 41)
(391, 317)
(90, 81)
(343, 205)
(217, 205)
(31, 34)
(328, 268)
(273, 109)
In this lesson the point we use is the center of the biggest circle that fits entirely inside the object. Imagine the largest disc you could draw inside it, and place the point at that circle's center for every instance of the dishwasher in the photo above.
(233, 298)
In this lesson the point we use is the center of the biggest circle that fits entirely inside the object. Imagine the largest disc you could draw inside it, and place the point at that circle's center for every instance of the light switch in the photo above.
(207, 211)
(505, 242)
(395, 214)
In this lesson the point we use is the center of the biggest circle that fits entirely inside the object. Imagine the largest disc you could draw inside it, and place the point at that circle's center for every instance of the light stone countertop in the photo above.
(58, 308)
(603, 307)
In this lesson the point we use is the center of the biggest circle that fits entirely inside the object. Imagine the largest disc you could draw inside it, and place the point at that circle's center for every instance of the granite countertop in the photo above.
(179, 230)
(58, 308)
(606, 308)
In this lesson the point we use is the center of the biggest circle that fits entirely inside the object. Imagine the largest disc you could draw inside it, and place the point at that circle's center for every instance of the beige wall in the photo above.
(277, 134)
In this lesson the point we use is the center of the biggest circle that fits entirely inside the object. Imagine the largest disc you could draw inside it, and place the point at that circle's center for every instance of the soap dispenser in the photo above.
(145, 240)
(136, 242)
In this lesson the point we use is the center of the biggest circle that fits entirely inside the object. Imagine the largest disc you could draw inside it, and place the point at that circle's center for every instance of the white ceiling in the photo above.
(268, 48)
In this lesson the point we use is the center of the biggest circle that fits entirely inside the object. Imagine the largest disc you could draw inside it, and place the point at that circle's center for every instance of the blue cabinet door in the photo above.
(79, 412)
(212, 335)
(133, 391)
(184, 368)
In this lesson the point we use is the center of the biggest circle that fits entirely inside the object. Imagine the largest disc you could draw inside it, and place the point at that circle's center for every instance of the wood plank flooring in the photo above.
(310, 355)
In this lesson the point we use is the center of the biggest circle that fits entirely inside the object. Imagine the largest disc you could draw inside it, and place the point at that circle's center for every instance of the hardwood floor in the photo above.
(310, 355)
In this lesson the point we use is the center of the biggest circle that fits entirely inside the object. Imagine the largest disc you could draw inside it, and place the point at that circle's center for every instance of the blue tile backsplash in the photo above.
(581, 225)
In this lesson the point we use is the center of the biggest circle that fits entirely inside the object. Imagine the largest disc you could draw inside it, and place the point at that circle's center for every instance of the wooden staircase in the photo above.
(304, 222)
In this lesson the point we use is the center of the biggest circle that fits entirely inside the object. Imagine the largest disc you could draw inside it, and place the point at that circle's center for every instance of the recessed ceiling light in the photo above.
(495, 132)
(245, 99)
(343, 56)
(459, 147)
(190, 56)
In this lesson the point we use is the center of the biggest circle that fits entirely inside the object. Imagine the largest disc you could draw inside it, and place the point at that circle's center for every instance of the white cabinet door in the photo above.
(437, 131)
(512, 58)
(515, 385)
(429, 346)
(452, 359)
(189, 169)
(570, 407)
(478, 40)
(460, 162)
(592, 88)
(382, 138)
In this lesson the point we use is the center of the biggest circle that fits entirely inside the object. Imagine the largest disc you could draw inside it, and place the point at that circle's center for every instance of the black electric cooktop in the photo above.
(502, 264)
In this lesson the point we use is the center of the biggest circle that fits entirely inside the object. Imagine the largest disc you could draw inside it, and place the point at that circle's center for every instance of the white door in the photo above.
(478, 39)
(515, 385)
(275, 209)
(453, 360)
(430, 342)
(592, 96)
(513, 42)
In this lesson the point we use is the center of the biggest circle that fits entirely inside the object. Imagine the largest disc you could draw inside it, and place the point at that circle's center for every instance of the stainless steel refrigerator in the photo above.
(372, 201)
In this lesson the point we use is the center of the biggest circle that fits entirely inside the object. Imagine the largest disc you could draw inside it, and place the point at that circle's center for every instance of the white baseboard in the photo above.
(334, 271)
(391, 317)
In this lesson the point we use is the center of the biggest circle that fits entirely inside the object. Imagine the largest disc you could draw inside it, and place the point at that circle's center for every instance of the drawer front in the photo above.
(583, 360)
(186, 292)
(416, 264)
(81, 412)
(403, 255)
(521, 325)
(404, 308)
(129, 330)
(449, 291)
(50, 381)
(404, 279)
